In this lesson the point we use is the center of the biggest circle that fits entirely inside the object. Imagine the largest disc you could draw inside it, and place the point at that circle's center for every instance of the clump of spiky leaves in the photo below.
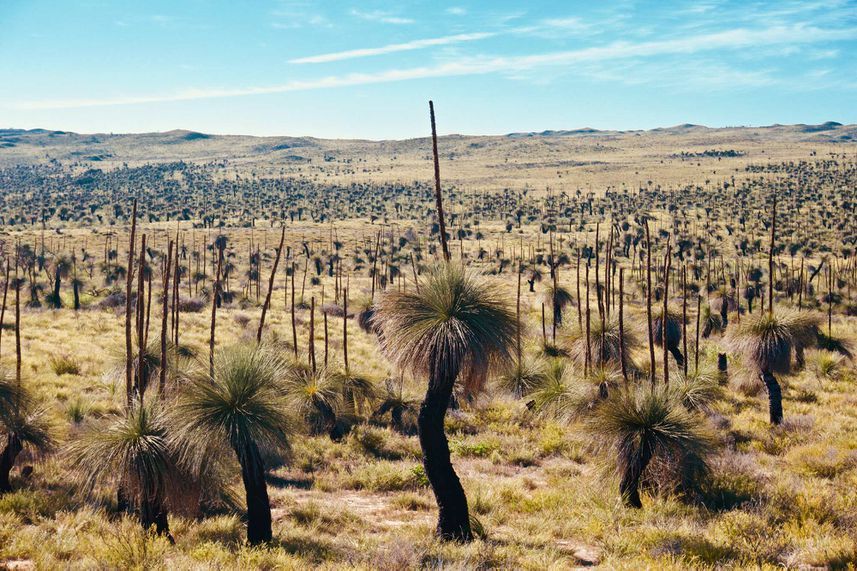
(401, 406)
(359, 393)
(181, 365)
(133, 452)
(639, 425)
(561, 395)
(711, 322)
(23, 425)
(324, 398)
(605, 342)
(699, 389)
(456, 322)
(767, 340)
(365, 313)
(243, 406)
(522, 377)
(828, 366)
(130, 451)
(558, 298)
(244, 401)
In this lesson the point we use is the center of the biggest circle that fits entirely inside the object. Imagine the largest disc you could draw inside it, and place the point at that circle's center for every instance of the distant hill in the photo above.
(561, 157)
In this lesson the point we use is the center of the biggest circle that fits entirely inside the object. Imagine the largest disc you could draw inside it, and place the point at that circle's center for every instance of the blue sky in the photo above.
(366, 69)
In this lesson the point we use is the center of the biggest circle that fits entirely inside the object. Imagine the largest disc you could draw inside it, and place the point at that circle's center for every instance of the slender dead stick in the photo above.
(271, 285)
(294, 324)
(622, 324)
(5, 292)
(771, 257)
(437, 191)
(129, 280)
(649, 305)
(214, 298)
(312, 334)
(345, 328)
(665, 316)
(168, 264)
(17, 320)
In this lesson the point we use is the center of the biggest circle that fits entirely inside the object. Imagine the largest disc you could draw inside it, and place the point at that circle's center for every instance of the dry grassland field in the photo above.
(640, 352)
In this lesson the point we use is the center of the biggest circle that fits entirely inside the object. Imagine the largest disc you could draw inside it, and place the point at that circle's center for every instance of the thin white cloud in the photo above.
(394, 48)
(456, 11)
(734, 39)
(383, 17)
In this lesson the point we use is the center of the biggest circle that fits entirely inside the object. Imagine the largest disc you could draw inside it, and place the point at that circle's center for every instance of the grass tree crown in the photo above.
(454, 320)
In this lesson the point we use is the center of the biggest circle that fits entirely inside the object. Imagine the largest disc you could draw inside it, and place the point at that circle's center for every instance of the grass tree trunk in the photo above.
(629, 485)
(775, 397)
(453, 516)
(153, 514)
(256, 493)
(10, 453)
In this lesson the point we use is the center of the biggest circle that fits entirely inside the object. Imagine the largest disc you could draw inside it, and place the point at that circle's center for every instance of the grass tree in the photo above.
(767, 342)
(455, 329)
(673, 337)
(639, 425)
(242, 406)
(132, 451)
(23, 424)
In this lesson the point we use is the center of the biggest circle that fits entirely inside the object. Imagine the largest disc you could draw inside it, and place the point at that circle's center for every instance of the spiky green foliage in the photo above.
(698, 390)
(455, 320)
(10, 395)
(22, 416)
(243, 402)
(561, 395)
(522, 377)
(558, 299)
(711, 322)
(323, 396)
(181, 365)
(31, 424)
(767, 341)
(639, 425)
(604, 342)
(131, 449)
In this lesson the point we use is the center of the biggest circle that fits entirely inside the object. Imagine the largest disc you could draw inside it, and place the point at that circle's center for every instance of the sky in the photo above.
(361, 69)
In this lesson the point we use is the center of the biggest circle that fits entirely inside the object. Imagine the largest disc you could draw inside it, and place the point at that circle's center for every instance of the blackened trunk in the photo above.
(629, 486)
(7, 461)
(256, 490)
(154, 514)
(676, 353)
(722, 367)
(76, 290)
(453, 517)
(775, 397)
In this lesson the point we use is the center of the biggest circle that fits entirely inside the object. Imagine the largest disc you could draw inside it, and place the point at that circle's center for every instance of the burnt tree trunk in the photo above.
(7, 461)
(775, 397)
(629, 485)
(256, 492)
(453, 517)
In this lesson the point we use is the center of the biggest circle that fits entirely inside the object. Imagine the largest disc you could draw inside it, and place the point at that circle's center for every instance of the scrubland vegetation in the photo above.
(206, 366)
